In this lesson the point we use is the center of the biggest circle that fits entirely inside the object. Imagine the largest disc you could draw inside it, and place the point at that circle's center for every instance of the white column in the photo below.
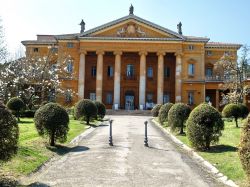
(178, 80)
(142, 84)
(81, 75)
(160, 77)
(99, 77)
(117, 81)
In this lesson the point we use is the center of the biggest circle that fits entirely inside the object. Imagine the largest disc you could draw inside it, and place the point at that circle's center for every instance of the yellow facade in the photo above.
(133, 34)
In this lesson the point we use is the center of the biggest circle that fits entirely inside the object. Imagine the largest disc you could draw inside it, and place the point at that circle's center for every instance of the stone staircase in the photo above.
(129, 112)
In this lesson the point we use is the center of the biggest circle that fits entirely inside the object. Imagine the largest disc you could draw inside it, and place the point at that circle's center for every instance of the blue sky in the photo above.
(220, 20)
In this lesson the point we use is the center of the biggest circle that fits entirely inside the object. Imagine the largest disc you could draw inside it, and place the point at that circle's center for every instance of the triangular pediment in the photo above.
(131, 27)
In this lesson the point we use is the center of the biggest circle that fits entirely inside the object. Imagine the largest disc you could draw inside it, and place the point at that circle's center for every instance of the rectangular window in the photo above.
(227, 53)
(149, 98)
(54, 49)
(93, 71)
(150, 72)
(68, 96)
(166, 98)
(209, 72)
(109, 98)
(35, 49)
(92, 96)
(130, 70)
(110, 71)
(166, 72)
(190, 69)
(70, 45)
(191, 47)
(190, 98)
(209, 53)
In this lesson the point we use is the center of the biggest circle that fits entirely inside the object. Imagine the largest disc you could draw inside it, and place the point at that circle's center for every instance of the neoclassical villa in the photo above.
(131, 63)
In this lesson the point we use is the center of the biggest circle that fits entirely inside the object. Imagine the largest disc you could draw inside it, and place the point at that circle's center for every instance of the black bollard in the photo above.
(146, 134)
(110, 133)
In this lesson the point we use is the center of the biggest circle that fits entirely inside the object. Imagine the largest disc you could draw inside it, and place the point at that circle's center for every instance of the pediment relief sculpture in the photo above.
(131, 30)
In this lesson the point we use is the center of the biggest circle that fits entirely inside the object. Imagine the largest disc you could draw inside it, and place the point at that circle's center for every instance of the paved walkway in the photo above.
(127, 163)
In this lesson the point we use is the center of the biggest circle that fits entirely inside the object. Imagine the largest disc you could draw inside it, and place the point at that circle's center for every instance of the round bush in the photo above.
(163, 112)
(243, 110)
(155, 110)
(9, 133)
(86, 109)
(204, 126)
(101, 109)
(52, 120)
(244, 148)
(16, 104)
(177, 116)
(232, 110)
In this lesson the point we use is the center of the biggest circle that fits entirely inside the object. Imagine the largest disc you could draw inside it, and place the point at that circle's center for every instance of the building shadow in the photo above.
(62, 150)
(158, 148)
(222, 149)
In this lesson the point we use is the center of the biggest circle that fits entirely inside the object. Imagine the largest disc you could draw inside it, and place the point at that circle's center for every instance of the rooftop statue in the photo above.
(131, 10)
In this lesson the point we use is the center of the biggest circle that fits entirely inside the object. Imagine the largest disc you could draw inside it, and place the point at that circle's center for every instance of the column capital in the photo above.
(161, 53)
(100, 52)
(82, 51)
(143, 53)
(117, 52)
(178, 54)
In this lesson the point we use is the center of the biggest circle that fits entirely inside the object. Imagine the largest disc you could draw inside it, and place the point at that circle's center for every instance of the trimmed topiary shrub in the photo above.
(52, 120)
(204, 126)
(101, 109)
(177, 116)
(243, 110)
(155, 110)
(85, 109)
(232, 110)
(163, 112)
(9, 133)
(244, 148)
(16, 104)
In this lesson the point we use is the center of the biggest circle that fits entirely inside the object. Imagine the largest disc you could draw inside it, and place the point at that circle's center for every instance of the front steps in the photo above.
(129, 112)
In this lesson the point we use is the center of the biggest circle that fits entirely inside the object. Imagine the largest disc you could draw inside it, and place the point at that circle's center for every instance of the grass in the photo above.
(34, 150)
(224, 155)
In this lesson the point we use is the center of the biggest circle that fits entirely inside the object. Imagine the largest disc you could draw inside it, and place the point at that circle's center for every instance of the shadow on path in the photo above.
(61, 149)
(38, 184)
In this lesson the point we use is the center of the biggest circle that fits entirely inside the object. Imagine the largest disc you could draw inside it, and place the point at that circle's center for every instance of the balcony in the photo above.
(215, 78)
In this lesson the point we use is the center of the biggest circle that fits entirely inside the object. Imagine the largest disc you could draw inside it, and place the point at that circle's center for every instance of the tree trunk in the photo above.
(18, 116)
(87, 120)
(52, 139)
(182, 129)
(236, 122)
(207, 143)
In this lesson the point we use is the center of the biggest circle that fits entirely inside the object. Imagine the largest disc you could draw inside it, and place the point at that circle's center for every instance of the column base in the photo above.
(116, 107)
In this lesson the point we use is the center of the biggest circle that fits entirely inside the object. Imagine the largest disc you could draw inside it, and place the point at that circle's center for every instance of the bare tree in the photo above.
(36, 78)
(3, 48)
(234, 72)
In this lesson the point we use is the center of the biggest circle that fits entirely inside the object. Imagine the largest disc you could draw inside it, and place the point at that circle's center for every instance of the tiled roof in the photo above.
(222, 45)
(30, 42)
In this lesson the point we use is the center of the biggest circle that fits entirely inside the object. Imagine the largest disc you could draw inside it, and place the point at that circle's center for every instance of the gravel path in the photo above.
(128, 163)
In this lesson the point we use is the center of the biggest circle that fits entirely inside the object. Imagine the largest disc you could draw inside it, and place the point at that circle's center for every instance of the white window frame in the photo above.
(92, 96)
(191, 47)
(191, 98)
(191, 69)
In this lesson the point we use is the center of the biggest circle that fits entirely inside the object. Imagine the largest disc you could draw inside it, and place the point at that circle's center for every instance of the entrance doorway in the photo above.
(129, 100)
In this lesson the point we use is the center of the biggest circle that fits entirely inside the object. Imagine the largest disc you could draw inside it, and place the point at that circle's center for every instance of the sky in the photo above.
(219, 20)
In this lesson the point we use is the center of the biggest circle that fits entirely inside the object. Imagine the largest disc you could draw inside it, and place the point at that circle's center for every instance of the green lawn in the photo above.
(224, 156)
(34, 150)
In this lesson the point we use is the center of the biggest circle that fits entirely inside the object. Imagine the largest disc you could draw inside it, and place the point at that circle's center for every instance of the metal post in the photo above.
(146, 134)
(110, 133)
